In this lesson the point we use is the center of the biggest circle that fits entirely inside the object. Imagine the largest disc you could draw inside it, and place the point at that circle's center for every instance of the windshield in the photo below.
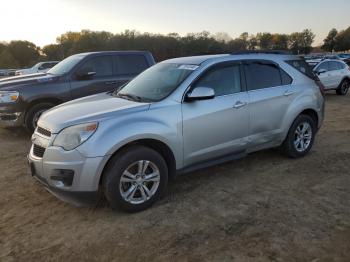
(157, 82)
(66, 65)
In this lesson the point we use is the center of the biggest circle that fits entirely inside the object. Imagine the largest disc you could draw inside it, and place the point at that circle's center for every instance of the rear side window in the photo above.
(262, 75)
(102, 66)
(335, 66)
(130, 64)
(302, 67)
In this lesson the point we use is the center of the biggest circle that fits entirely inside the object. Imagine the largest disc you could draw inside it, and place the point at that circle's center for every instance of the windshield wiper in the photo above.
(130, 97)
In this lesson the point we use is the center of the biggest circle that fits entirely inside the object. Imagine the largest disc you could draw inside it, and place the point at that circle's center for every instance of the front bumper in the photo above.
(11, 115)
(83, 188)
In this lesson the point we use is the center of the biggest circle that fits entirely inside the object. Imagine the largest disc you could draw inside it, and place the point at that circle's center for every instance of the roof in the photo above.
(194, 60)
(198, 60)
(113, 52)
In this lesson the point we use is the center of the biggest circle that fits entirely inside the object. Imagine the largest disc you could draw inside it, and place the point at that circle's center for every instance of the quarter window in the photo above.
(224, 80)
(261, 75)
(130, 64)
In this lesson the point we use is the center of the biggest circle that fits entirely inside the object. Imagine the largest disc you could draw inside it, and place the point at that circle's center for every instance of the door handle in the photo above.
(239, 104)
(288, 93)
(111, 82)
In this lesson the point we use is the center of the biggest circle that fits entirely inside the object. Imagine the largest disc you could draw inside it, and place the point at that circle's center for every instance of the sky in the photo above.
(41, 21)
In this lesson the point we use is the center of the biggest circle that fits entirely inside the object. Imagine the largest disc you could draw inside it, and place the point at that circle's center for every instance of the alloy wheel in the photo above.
(139, 182)
(302, 137)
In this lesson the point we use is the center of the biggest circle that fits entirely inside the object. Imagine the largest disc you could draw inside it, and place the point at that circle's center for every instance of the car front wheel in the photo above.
(135, 178)
(34, 114)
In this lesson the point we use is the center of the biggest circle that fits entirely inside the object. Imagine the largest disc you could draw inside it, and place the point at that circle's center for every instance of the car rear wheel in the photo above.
(300, 137)
(343, 88)
(34, 114)
(135, 178)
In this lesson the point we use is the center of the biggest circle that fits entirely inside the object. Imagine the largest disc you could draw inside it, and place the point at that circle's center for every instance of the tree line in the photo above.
(21, 54)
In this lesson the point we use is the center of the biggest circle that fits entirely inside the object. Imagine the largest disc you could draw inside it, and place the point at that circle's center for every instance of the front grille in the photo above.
(38, 151)
(43, 131)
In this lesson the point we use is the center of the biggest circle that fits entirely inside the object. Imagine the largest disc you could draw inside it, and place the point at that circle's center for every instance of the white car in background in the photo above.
(41, 67)
(334, 75)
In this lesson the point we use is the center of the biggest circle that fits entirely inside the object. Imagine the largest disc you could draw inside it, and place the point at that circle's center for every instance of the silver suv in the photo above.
(180, 115)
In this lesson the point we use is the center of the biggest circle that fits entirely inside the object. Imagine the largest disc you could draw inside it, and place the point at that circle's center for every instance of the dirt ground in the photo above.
(262, 208)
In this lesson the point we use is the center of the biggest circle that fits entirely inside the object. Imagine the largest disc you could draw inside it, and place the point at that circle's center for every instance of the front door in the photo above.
(219, 126)
(103, 80)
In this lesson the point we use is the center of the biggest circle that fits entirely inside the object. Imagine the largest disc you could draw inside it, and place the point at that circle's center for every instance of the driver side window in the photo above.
(224, 80)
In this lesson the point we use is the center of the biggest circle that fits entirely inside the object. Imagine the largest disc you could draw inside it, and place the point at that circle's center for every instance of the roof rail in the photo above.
(271, 52)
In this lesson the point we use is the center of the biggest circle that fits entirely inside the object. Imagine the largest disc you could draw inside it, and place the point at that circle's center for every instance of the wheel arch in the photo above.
(162, 148)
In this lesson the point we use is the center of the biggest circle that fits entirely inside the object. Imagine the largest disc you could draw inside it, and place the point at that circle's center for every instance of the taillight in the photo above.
(320, 86)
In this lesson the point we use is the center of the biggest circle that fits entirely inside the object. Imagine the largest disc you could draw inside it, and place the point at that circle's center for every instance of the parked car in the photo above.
(344, 56)
(313, 60)
(41, 67)
(179, 115)
(24, 98)
(334, 75)
(3, 72)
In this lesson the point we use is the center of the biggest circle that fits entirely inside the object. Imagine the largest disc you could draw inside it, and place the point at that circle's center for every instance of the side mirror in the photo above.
(85, 73)
(321, 71)
(41, 68)
(200, 93)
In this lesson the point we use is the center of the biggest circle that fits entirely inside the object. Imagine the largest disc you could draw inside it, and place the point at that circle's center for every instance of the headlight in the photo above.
(73, 136)
(8, 96)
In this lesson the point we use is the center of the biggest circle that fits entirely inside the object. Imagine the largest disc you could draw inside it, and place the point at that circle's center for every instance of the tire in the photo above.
(290, 146)
(343, 88)
(123, 195)
(34, 113)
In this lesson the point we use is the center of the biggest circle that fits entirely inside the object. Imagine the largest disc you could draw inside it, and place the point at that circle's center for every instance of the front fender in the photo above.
(112, 135)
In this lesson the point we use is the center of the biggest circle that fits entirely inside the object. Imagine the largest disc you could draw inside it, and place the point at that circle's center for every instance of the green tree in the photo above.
(24, 52)
(330, 41)
(265, 40)
(280, 41)
(343, 40)
(301, 42)
(7, 61)
(53, 52)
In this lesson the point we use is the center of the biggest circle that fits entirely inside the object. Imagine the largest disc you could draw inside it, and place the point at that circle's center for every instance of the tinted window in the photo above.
(286, 79)
(335, 66)
(302, 67)
(260, 76)
(131, 64)
(47, 65)
(102, 66)
(224, 80)
(66, 65)
(323, 66)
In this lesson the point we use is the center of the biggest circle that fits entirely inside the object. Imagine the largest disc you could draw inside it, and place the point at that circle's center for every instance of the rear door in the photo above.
(129, 66)
(104, 79)
(324, 77)
(219, 126)
(336, 73)
(270, 92)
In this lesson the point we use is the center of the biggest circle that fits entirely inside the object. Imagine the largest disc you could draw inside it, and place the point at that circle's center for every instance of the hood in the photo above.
(26, 80)
(88, 109)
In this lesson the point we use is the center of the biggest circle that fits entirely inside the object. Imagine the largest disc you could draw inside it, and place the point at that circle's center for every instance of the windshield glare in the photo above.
(66, 65)
(158, 82)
